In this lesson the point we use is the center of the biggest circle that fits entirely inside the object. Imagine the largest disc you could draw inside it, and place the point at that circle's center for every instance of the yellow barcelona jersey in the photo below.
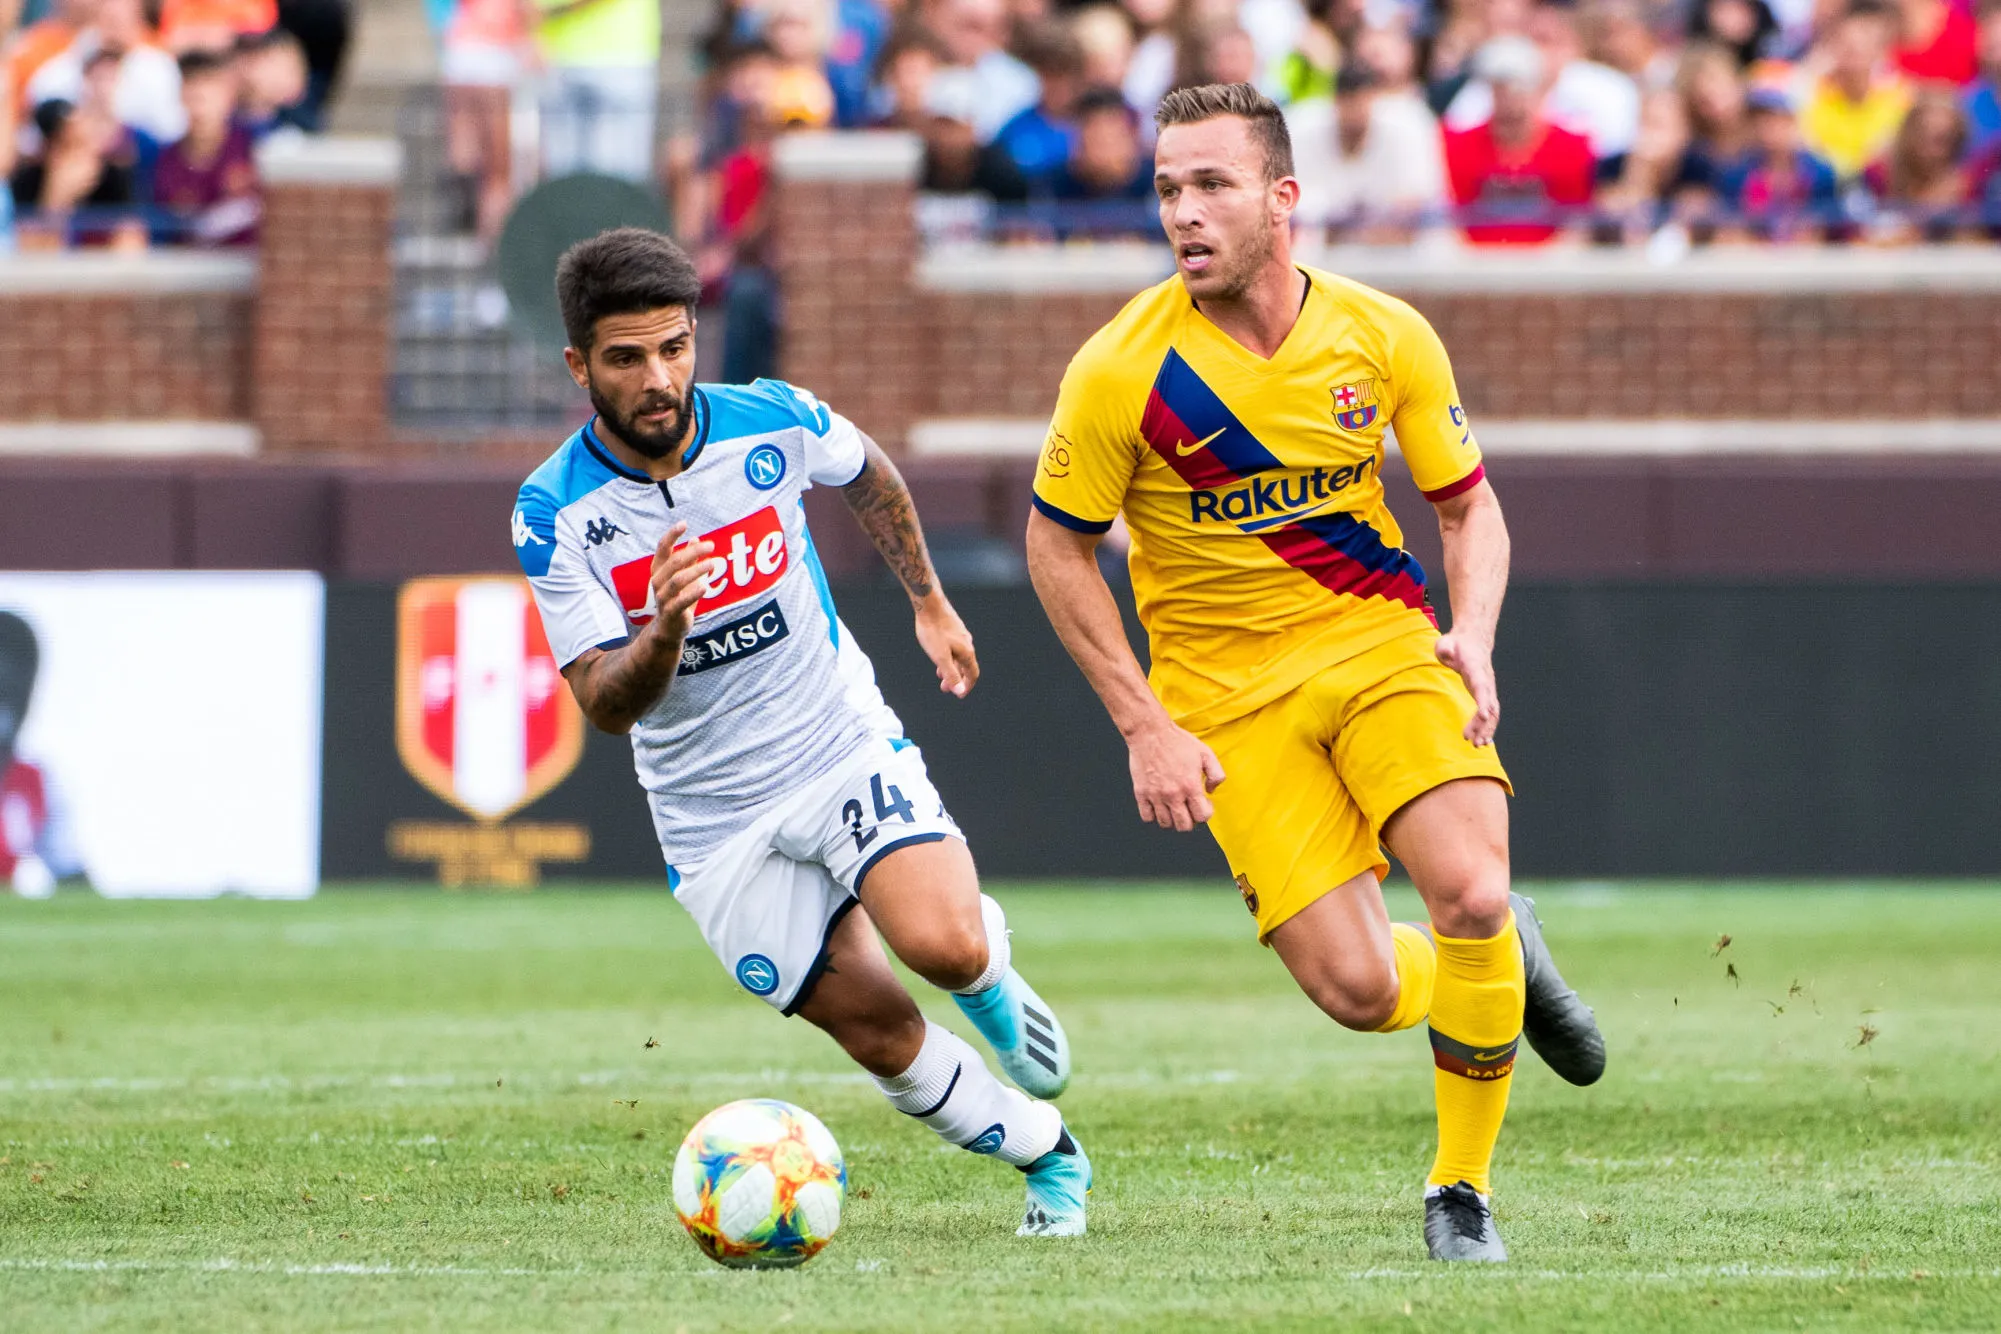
(1262, 551)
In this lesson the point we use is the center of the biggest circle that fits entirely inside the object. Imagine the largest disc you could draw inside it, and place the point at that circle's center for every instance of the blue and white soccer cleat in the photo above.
(1058, 1184)
(1023, 1031)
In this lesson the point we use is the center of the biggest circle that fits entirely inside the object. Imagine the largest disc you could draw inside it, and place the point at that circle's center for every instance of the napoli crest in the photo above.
(1354, 405)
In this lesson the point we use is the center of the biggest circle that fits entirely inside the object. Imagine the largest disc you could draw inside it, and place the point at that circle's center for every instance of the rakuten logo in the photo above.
(751, 556)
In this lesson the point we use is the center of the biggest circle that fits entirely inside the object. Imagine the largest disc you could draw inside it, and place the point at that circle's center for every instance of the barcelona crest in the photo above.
(1354, 405)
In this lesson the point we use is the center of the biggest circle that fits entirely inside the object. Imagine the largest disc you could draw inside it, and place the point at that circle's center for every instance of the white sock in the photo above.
(949, 1088)
(998, 953)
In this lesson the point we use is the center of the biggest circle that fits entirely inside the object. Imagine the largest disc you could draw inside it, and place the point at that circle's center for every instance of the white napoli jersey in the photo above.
(772, 692)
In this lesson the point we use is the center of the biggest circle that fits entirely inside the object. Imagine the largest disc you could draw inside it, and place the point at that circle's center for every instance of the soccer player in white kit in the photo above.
(666, 543)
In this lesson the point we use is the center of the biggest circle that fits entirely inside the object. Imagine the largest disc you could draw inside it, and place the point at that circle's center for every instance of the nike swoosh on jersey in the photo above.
(1185, 450)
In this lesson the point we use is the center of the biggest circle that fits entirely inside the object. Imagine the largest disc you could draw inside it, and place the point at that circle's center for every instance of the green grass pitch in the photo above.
(416, 1110)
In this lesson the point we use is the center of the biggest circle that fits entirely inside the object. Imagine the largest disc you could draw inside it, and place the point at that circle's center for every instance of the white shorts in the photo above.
(768, 900)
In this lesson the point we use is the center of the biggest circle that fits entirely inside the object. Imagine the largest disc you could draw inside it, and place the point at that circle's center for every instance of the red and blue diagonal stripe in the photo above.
(1338, 551)
(1181, 412)
(1345, 555)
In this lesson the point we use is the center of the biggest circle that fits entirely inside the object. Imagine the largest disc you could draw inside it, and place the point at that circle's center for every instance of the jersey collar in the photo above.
(604, 455)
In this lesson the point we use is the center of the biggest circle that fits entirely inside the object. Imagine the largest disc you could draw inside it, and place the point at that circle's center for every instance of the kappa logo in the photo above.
(523, 534)
(989, 1140)
(601, 530)
(738, 639)
(757, 974)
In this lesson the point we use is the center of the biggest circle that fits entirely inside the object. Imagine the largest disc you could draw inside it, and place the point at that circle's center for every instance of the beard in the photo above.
(651, 441)
(1238, 276)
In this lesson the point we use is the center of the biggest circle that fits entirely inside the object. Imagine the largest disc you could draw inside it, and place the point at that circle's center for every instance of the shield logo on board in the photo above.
(483, 718)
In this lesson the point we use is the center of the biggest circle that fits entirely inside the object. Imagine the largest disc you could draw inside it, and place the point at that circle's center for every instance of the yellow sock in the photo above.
(1476, 1021)
(1417, 970)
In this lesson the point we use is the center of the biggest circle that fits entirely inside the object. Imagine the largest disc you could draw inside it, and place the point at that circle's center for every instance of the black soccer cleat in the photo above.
(1560, 1027)
(1458, 1225)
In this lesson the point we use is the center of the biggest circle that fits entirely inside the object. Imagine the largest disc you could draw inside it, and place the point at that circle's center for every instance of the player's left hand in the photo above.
(949, 644)
(1474, 661)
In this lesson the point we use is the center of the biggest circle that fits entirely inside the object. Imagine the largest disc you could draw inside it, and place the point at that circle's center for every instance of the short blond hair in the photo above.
(1189, 106)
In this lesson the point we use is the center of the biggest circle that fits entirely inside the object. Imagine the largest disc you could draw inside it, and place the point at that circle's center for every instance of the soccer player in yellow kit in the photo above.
(1302, 700)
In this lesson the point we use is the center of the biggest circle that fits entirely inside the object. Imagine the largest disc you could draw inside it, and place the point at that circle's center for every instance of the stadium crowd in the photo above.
(125, 123)
(1663, 122)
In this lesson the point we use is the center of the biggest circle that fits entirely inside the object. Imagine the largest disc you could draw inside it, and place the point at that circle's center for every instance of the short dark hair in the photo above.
(196, 63)
(1094, 100)
(621, 272)
(1190, 106)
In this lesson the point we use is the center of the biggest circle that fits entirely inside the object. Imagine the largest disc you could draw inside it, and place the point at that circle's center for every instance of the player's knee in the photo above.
(951, 955)
(1473, 905)
(1361, 1004)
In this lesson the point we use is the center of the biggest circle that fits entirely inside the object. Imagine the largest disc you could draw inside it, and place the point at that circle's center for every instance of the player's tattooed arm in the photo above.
(882, 506)
(617, 687)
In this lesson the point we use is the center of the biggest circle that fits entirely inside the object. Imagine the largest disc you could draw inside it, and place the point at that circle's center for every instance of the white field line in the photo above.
(586, 1078)
(1742, 1272)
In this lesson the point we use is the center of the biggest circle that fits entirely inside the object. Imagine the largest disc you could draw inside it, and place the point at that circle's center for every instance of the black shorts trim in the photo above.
(887, 848)
(812, 978)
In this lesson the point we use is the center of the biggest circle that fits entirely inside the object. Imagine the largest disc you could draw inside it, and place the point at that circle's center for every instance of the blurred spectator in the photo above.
(82, 166)
(147, 88)
(1778, 191)
(1719, 121)
(272, 68)
(1108, 160)
(1039, 140)
(1307, 70)
(981, 85)
(1221, 52)
(1387, 49)
(207, 181)
(797, 32)
(861, 30)
(1150, 70)
(1923, 185)
(1854, 109)
(736, 255)
(1518, 177)
(1983, 99)
(1105, 36)
(39, 43)
(601, 75)
(1744, 28)
(1936, 42)
(323, 28)
(1622, 39)
(7, 152)
(1370, 161)
(1643, 185)
(902, 92)
(1586, 98)
(483, 57)
(213, 25)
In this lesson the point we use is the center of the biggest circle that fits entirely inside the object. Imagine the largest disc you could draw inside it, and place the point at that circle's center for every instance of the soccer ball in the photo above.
(759, 1183)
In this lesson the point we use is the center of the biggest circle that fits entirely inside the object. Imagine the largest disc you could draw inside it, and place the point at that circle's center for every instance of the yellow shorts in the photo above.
(1312, 777)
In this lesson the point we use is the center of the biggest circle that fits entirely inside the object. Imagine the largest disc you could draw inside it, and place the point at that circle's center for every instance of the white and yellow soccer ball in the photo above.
(759, 1184)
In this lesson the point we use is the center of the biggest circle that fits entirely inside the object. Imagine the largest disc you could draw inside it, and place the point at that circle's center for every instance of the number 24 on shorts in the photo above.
(895, 803)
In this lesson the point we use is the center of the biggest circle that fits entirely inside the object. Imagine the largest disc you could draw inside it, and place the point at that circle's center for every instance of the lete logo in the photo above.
(751, 556)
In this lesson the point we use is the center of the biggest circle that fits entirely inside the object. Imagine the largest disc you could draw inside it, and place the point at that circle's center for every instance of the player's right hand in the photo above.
(1173, 775)
(679, 575)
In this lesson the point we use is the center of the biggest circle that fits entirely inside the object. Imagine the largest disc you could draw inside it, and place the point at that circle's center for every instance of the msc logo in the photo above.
(990, 1140)
(1275, 500)
(758, 974)
(764, 467)
(739, 639)
(601, 530)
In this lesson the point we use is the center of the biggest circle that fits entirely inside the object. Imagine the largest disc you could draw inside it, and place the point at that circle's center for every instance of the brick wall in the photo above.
(95, 355)
(1776, 334)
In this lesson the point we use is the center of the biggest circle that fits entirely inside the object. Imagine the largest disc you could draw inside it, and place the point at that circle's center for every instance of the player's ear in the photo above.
(1284, 197)
(580, 367)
